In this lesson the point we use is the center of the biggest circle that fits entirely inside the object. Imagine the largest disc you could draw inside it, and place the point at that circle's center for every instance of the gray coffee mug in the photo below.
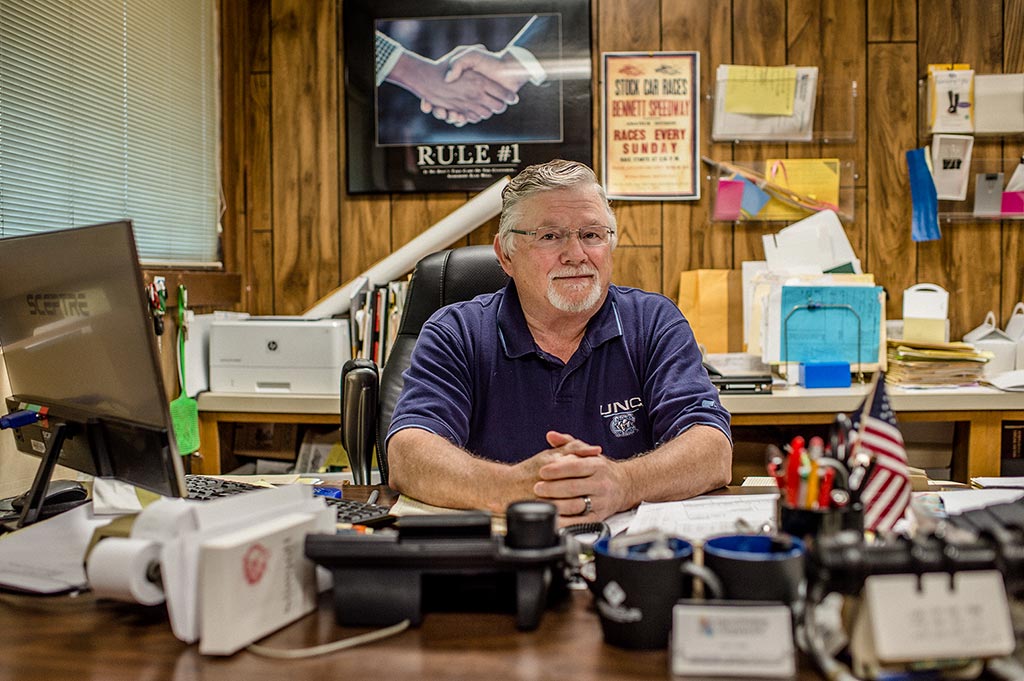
(757, 567)
(634, 593)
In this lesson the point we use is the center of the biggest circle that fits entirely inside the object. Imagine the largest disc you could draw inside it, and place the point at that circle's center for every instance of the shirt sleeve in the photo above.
(387, 53)
(677, 385)
(436, 395)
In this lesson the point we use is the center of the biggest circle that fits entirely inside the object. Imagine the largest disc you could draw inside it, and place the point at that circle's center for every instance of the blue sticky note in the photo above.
(754, 197)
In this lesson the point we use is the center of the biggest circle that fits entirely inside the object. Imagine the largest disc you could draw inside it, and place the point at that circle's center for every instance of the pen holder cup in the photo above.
(810, 523)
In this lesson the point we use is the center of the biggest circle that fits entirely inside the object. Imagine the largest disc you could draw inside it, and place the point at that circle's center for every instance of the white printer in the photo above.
(278, 355)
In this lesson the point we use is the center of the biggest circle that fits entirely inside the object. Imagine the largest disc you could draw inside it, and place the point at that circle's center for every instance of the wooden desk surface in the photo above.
(84, 639)
(47, 638)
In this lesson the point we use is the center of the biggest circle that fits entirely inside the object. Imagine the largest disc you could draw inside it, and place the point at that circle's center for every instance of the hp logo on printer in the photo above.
(272, 346)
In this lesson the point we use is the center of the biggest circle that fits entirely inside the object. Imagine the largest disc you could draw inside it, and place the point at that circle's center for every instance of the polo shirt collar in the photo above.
(518, 341)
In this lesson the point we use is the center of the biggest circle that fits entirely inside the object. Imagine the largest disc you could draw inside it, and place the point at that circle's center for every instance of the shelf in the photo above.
(775, 212)
(830, 119)
(925, 132)
(951, 211)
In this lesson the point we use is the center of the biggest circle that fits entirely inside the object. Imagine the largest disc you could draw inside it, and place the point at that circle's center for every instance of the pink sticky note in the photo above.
(728, 200)
(1013, 202)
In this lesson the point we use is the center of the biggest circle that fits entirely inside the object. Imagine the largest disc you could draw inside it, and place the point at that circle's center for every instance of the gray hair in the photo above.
(532, 180)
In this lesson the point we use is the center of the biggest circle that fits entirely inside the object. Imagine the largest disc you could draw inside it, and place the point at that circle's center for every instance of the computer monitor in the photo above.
(79, 345)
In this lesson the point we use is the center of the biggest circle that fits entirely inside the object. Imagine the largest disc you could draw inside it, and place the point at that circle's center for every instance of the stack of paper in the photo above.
(934, 364)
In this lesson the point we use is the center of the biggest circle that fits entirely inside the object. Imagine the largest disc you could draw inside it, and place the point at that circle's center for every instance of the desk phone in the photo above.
(446, 562)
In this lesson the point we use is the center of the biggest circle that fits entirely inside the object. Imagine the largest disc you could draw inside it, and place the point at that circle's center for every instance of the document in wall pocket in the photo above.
(446, 562)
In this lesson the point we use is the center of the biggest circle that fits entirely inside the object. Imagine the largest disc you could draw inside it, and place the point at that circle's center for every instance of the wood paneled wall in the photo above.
(293, 233)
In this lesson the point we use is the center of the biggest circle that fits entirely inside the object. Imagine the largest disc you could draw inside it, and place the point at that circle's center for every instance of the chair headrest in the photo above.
(449, 277)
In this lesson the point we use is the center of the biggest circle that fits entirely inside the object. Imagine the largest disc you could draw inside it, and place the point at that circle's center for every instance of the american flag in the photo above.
(886, 493)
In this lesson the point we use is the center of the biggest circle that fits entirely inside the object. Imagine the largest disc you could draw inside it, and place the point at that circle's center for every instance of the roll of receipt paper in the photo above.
(126, 570)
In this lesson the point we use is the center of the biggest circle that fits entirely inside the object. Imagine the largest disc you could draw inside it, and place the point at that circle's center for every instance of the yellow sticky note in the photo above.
(813, 178)
(767, 90)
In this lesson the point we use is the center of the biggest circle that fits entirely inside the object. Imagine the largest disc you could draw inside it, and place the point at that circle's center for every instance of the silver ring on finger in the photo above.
(587, 505)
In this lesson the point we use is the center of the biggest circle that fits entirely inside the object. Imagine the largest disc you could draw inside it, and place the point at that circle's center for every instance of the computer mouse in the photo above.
(61, 495)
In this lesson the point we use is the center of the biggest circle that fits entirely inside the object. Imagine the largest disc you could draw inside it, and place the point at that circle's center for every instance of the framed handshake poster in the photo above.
(451, 95)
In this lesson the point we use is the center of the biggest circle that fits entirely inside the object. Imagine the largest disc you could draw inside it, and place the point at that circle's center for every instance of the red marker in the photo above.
(825, 489)
(796, 452)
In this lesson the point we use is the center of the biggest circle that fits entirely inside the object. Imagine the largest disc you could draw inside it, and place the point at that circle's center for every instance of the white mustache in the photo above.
(586, 270)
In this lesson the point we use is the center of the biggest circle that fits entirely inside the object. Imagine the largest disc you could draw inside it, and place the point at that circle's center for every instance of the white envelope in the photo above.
(999, 102)
(816, 244)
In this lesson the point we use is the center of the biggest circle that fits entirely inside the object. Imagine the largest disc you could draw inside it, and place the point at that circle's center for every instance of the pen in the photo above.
(840, 476)
(825, 490)
(839, 436)
(374, 495)
(776, 463)
(812, 485)
(793, 471)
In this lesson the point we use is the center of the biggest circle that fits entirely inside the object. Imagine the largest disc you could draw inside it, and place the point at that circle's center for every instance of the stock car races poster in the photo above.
(651, 118)
(453, 95)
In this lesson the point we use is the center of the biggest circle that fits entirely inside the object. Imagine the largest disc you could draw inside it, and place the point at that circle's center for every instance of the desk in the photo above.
(84, 639)
(977, 412)
(81, 638)
(218, 408)
(978, 415)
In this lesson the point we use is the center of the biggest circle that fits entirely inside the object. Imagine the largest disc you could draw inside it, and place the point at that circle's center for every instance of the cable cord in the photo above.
(833, 669)
(327, 648)
(601, 529)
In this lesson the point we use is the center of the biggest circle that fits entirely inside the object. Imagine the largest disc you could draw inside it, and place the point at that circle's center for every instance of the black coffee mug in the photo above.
(757, 567)
(634, 592)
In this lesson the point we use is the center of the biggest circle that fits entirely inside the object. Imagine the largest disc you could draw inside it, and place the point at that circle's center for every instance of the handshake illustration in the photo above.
(470, 83)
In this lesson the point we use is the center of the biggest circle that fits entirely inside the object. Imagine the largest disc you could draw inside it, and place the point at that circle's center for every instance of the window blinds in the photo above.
(108, 110)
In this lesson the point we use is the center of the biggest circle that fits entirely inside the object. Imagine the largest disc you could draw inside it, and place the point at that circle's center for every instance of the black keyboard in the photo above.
(350, 511)
(359, 512)
(204, 488)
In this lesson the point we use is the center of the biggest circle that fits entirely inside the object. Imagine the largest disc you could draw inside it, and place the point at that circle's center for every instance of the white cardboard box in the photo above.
(253, 582)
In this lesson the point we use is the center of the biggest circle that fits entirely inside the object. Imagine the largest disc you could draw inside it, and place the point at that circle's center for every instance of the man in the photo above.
(559, 387)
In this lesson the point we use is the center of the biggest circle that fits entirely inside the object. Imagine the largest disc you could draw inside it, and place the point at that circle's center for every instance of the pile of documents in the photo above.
(934, 364)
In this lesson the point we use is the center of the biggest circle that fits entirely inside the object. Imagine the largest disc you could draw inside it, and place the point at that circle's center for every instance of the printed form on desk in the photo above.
(694, 519)
(702, 517)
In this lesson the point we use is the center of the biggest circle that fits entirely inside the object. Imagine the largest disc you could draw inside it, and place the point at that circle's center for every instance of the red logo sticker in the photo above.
(254, 563)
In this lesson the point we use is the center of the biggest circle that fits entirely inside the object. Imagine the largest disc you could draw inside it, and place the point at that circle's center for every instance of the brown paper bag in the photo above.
(712, 301)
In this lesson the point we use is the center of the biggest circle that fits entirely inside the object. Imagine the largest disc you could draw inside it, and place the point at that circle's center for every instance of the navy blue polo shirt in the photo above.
(479, 380)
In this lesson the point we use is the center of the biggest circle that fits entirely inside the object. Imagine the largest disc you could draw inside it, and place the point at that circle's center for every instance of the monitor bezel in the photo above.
(98, 443)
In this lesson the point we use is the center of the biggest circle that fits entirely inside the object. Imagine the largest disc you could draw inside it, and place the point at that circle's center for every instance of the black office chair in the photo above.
(366, 407)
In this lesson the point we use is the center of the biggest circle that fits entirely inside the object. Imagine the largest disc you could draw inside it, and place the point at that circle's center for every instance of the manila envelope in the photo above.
(712, 301)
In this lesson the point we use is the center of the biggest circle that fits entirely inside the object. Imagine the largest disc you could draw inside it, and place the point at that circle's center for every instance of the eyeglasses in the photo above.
(558, 237)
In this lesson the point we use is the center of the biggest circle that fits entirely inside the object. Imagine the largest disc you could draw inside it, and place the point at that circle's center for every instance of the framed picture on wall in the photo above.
(454, 94)
(651, 125)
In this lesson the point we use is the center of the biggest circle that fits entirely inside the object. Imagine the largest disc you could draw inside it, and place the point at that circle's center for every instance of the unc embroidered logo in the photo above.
(623, 425)
(621, 416)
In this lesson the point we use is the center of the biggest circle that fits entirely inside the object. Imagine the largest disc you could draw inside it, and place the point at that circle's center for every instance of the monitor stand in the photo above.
(35, 498)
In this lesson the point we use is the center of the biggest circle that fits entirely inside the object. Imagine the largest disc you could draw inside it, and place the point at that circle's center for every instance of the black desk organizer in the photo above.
(446, 562)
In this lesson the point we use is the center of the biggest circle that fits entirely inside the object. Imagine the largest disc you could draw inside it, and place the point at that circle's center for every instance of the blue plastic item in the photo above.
(332, 492)
(825, 374)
